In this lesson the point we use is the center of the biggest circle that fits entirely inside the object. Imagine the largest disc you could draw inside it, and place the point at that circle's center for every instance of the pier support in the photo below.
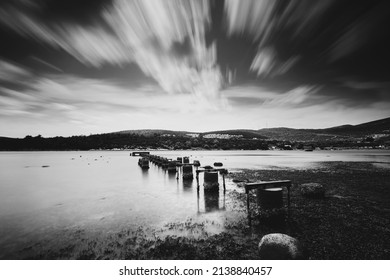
(221, 171)
(264, 185)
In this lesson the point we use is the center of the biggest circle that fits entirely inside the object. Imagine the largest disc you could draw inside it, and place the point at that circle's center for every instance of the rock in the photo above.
(313, 190)
(279, 246)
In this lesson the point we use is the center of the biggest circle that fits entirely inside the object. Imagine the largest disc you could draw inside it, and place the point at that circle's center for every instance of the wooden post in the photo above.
(197, 181)
(198, 201)
(288, 203)
(224, 200)
(223, 178)
(247, 207)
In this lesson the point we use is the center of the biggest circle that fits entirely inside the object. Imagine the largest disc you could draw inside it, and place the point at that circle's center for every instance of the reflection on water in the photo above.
(188, 185)
(172, 176)
(145, 173)
(212, 201)
(105, 190)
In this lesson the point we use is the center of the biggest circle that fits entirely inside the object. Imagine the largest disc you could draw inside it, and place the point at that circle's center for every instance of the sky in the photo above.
(80, 67)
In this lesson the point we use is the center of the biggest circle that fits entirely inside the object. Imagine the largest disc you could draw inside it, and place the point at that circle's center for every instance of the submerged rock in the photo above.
(313, 190)
(279, 246)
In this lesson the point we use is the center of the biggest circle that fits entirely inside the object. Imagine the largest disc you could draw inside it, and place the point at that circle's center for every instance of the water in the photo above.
(43, 192)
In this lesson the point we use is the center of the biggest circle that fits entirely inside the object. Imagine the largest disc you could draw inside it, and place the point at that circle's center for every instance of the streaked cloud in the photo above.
(258, 18)
(47, 64)
(304, 16)
(12, 72)
(250, 16)
(165, 38)
(261, 97)
(318, 32)
(96, 105)
(306, 106)
(363, 31)
(105, 65)
(69, 105)
(266, 63)
(294, 97)
(362, 85)
(261, 18)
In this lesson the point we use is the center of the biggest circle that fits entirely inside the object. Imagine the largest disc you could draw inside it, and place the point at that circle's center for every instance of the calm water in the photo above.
(41, 192)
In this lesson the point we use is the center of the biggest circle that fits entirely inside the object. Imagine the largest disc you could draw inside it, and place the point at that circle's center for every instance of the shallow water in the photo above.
(43, 192)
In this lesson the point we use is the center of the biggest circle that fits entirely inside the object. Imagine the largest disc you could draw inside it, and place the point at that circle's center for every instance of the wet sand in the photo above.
(351, 222)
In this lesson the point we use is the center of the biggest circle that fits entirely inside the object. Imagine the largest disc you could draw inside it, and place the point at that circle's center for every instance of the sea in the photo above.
(102, 191)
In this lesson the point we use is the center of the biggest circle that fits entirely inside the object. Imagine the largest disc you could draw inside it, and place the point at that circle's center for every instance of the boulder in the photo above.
(279, 246)
(313, 190)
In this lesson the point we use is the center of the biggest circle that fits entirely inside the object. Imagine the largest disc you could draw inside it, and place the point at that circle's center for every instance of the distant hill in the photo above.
(375, 133)
(375, 127)
(378, 128)
(153, 132)
(245, 133)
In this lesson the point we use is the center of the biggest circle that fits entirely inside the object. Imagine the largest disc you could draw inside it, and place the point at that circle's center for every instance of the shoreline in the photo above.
(351, 222)
(196, 149)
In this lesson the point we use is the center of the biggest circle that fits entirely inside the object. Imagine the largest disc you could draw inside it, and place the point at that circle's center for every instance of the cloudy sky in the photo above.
(77, 67)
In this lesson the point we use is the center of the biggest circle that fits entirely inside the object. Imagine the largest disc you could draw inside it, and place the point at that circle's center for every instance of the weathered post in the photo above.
(211, 181)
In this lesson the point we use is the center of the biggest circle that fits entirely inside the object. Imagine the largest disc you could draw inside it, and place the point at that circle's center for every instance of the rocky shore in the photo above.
(351, 221)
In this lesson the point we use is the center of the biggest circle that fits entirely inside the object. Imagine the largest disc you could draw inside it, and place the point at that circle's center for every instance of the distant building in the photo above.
(221, 136)
(193, 135)
(308, 148)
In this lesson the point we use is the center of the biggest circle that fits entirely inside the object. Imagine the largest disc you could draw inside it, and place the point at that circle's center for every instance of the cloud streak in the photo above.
(311, 34)
(165, 38)
(116, 64)
(12, 72)
(267, 64)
